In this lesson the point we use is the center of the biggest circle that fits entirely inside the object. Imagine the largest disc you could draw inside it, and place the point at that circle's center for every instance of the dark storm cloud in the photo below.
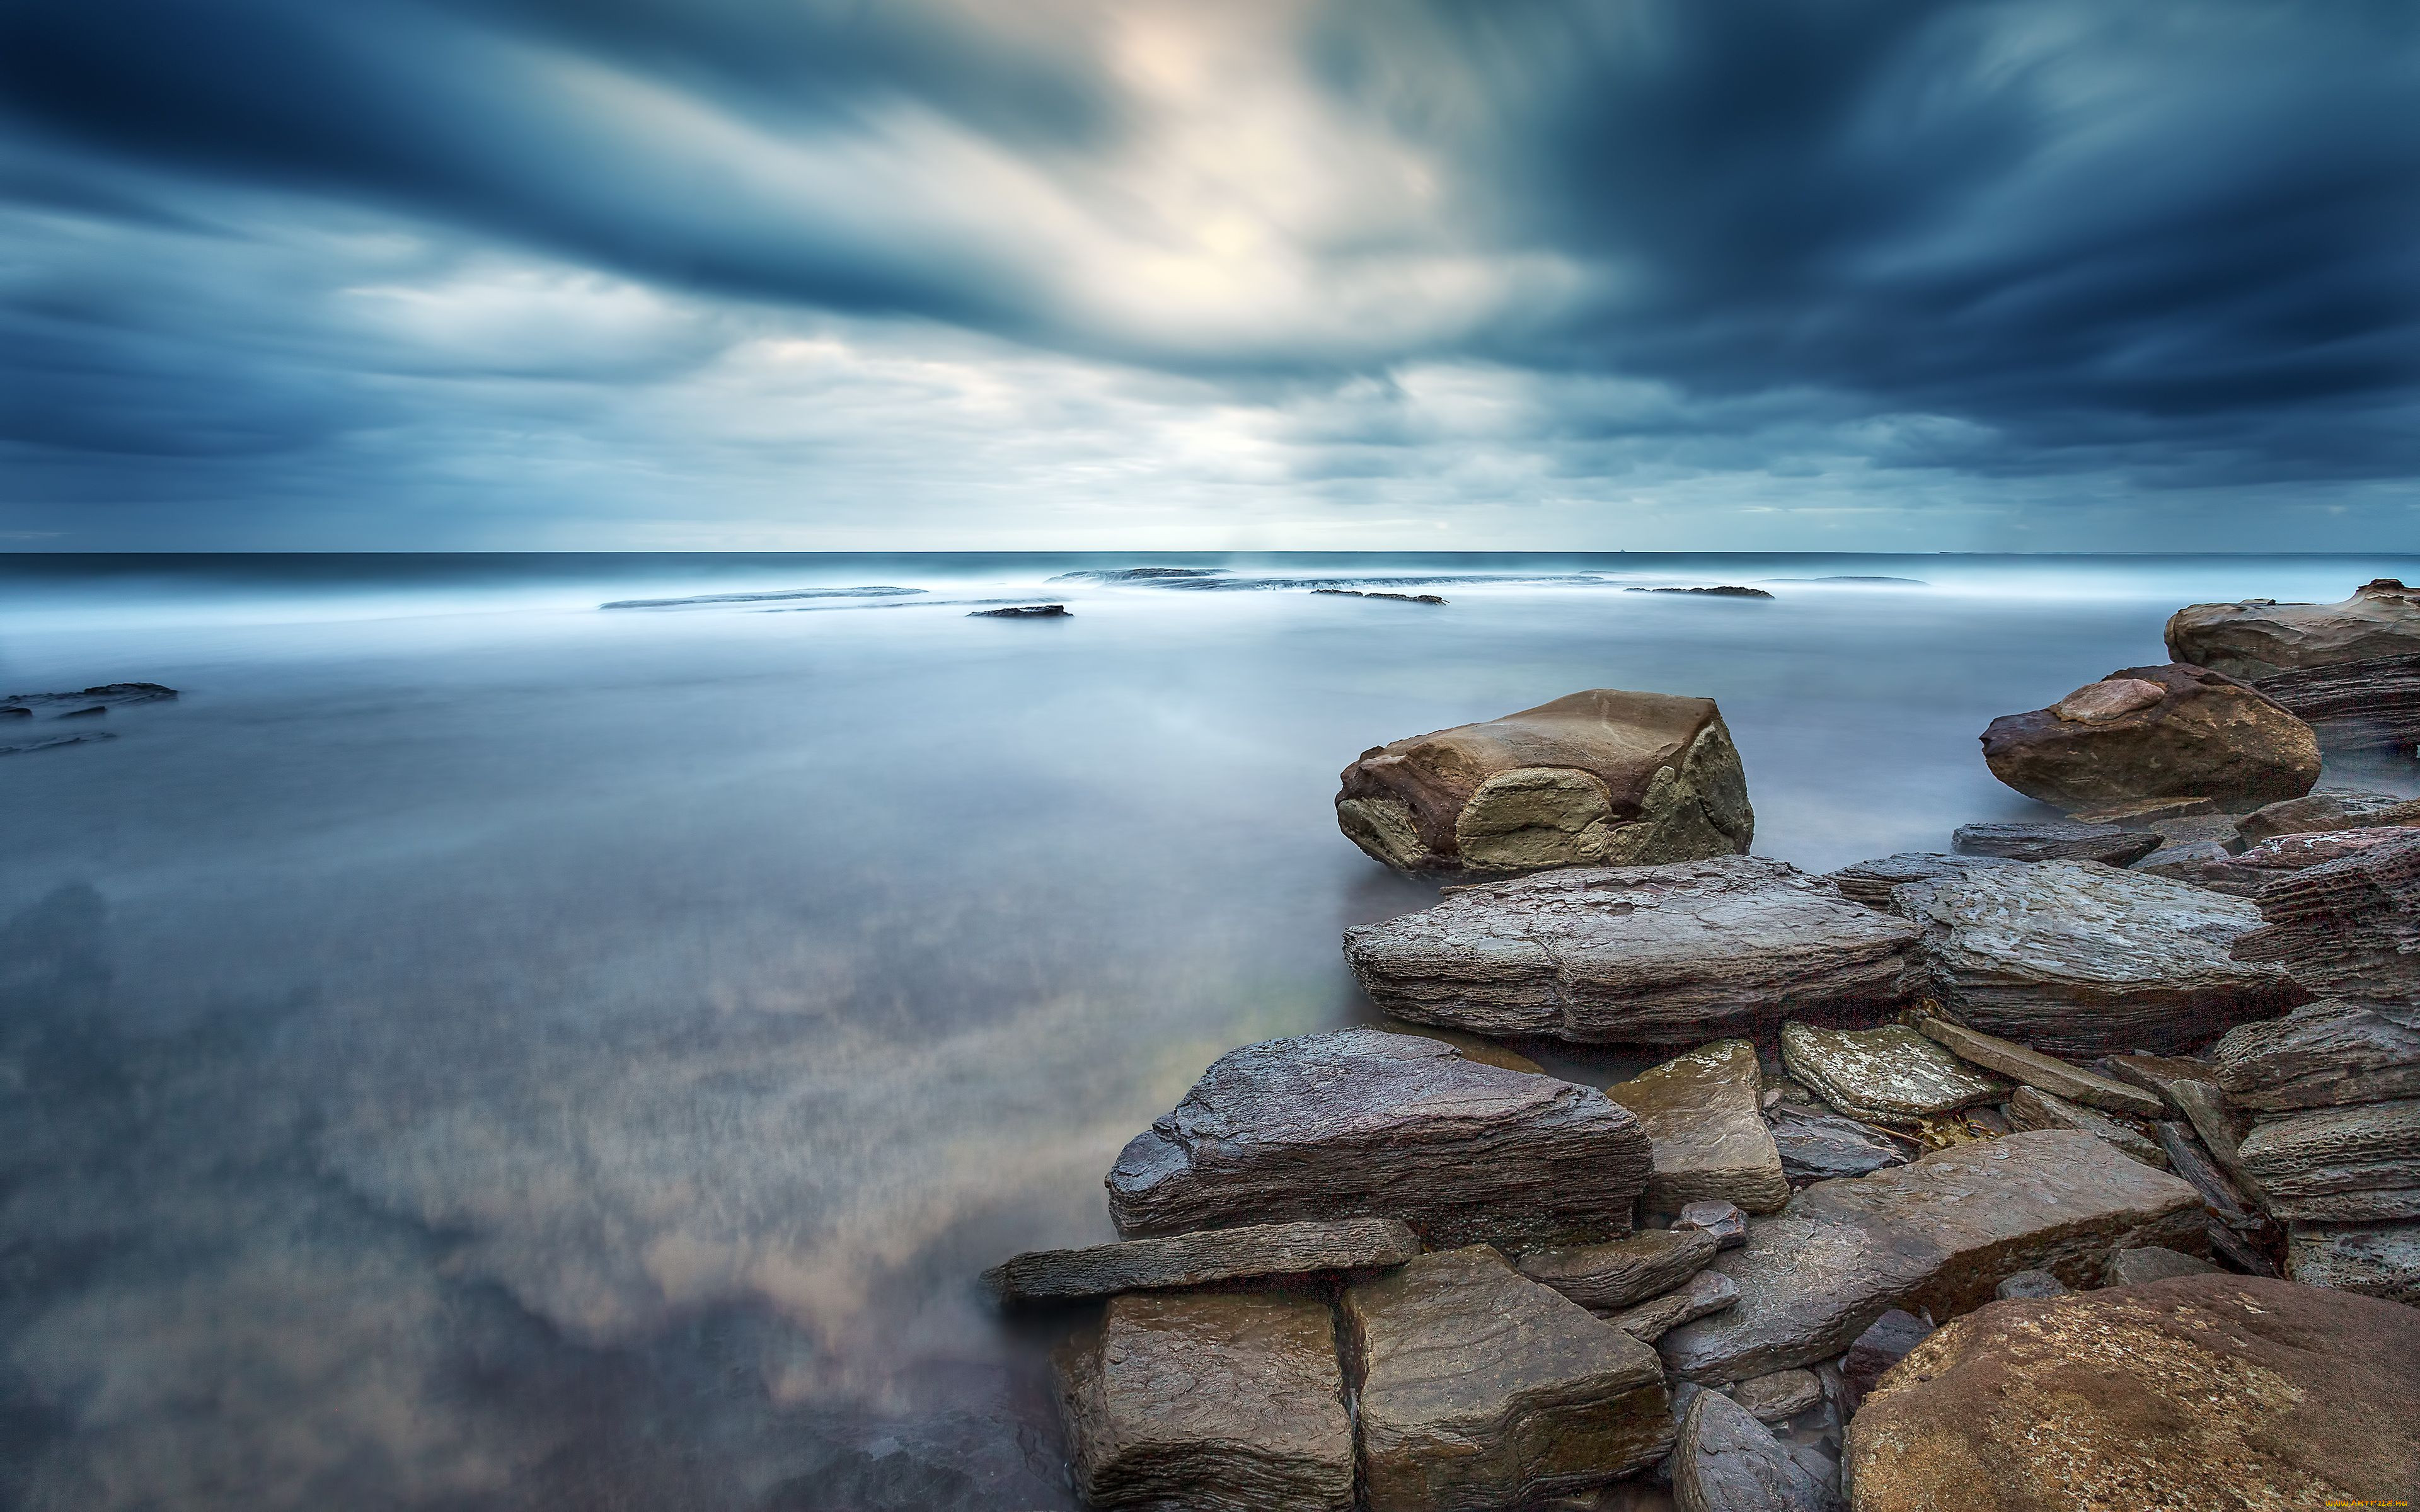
(2176, 244)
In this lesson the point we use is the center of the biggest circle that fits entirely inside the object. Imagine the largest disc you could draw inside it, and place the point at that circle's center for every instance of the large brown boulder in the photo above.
(1602, 777)
(1360, 1122)
(2153, 732)
(2260, 638)
(2200, 1391)
(1675, 954)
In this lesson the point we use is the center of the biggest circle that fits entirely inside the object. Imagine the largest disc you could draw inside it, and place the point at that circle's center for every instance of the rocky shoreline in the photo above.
(2078, 1164)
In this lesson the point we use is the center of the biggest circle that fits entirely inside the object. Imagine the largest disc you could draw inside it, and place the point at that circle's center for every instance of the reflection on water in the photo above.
(475, 1051)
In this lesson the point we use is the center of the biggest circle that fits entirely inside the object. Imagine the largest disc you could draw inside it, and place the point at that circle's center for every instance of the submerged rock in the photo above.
(1937, 1235)
(1701, 1114)
(1479, 1388)
(1603, 778)
(2205, 1391)
(1891, 1074)
(2030, 1108)
(2323, 1055)
(1620, 1272)
(1673, 954)
(1360, 1122)
(1723, 591)
(2077, 959)
(2358, 1163)
(1225, 1402)
(1871, 882)
(1816, 1147)
(1021, 611)
(106, 695)
(2056, 841)
(1364, 593)
(1195, 1259)
(2034, 1068)
(1727, 1462)
(1707, 1292)
(2375, 1260)
(2154, 733)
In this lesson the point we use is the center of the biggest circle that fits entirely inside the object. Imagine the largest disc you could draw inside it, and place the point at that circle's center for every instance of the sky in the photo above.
(1356, 274)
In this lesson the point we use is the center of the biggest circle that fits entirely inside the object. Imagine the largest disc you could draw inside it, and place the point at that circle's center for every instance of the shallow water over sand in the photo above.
(478, 1050)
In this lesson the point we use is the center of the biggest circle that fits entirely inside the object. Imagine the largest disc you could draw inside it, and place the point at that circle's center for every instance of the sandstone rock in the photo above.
(2146, 814)
(2077, 959)
(2234, 1250)
(1891, 1074)
(2220, 828)
(1722, 1221)
(1727, 1462)
(1816, 1147)
(2345, 928)
(2221, 1127)
(2030, 1286)
(1884, 1344)
(1936, 1235)
(1479, 1388)
(2375, 1260)
(1226, 1402)
(2056, 841)
(2260, 636)
(2359, 1164)
(1705, 1293)
(2159, 1074)
(2323, 1055)
(1022, 612)
(1602, 777)
(2149, 1262)
(2264, 862)
(1673, 954)
(2202, 863)
(2030, 1108)
(2327, 808)
(1195, 1259)
(2355, 706)
(2203, 734)
(1363, 1123)
(2206, 1391)
(1701, 1113)
(2192, 1163)
(1871, 882)
(1784, 1394)
(1620, 1272)
(2035, 1070)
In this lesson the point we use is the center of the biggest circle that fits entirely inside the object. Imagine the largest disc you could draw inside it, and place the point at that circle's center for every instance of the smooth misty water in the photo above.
(480, 1050)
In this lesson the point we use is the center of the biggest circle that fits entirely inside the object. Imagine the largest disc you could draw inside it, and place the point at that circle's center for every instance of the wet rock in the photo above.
(1211, 1400)
(2056, 841)
(2345, 928)
(1620, 1272)
(2030, 1286)
(1701, 1295)
(1021, 611)
(1871, 882)
(104, 696)
(2190, 1162)
(2264, 863)
(2077, 959)
(2159, 1074)
(2206, 1391)
(2323, 1055)
(2146, 814)
(2035, 1070)
(85, 738)
(1363, 592)
(1884, 1344)
(1603, 778)
(2202, 863)
(1360, 1122)
(1784, 1394)
(1936, 1235)
(2030, 1108)
(1479, 1388)
(2149, 1262)
(1727, 1462)
(1701, 1113)
(90, 711)
(1722, 590)
(2357, 706)
(2155, 732)
(1308, 1248)
(2260, 636)
(1675, 954)
(2218, 828)
(1722, 1220)
(2374, 1259)
(1890, 1075)
(2328, 809)
(2359, 1164)
(1816, 1147)
(1139, 575)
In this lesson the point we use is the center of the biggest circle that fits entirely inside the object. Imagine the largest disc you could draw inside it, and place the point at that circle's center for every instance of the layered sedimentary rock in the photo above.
(1702, 1114)
(1890, 1074)
(2155, 732)
(2355, 706)
(1225, 1402)
(1362, 1122)
(1603, 778)
(1705, 1293)
(1307, 1248)
(2323, 1055)
(2077, 959)
(2260, 636)
(1618, 1272)
(1478, 1389)
(2054, 839)
(2345, 928)
(2375, 1260)
(1816, 1147)
(2205, 1391)
(1884, 1343)
(2355, 1163)
(2202, 863)
(2031, 1067)
(1871, 882)
(2148, 1263)
(2328, 809)
(1727, 1462)
(1784, 1394)
(1936, 1235)
(1673, 954)
(2031, 1108)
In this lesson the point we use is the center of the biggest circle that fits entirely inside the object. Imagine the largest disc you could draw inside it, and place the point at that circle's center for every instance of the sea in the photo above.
(567, 1031)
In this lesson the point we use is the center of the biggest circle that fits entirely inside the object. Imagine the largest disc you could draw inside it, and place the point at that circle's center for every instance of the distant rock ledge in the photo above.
(1725, 590)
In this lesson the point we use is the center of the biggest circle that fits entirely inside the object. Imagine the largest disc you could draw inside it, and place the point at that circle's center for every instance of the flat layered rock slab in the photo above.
(2345, 927)
(1703, 1114)
(1307, 1248)
(2208, 1391)
(1871, 882)
(2076, 959)
(1891, 1074)
(1363, 1123)
(2355, 1163)
(1221, 1401)
(1620, 1271)
(2374, 1259)
(1817, 1146)
(2258, 638)
(2032, 1108)
(1727, 1461)
(2052, 840)
(1479, 1389)
(1936, 1235)
(2323, 1055)
(1657, 955)
(1701, 1295)
(2047, 1073)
